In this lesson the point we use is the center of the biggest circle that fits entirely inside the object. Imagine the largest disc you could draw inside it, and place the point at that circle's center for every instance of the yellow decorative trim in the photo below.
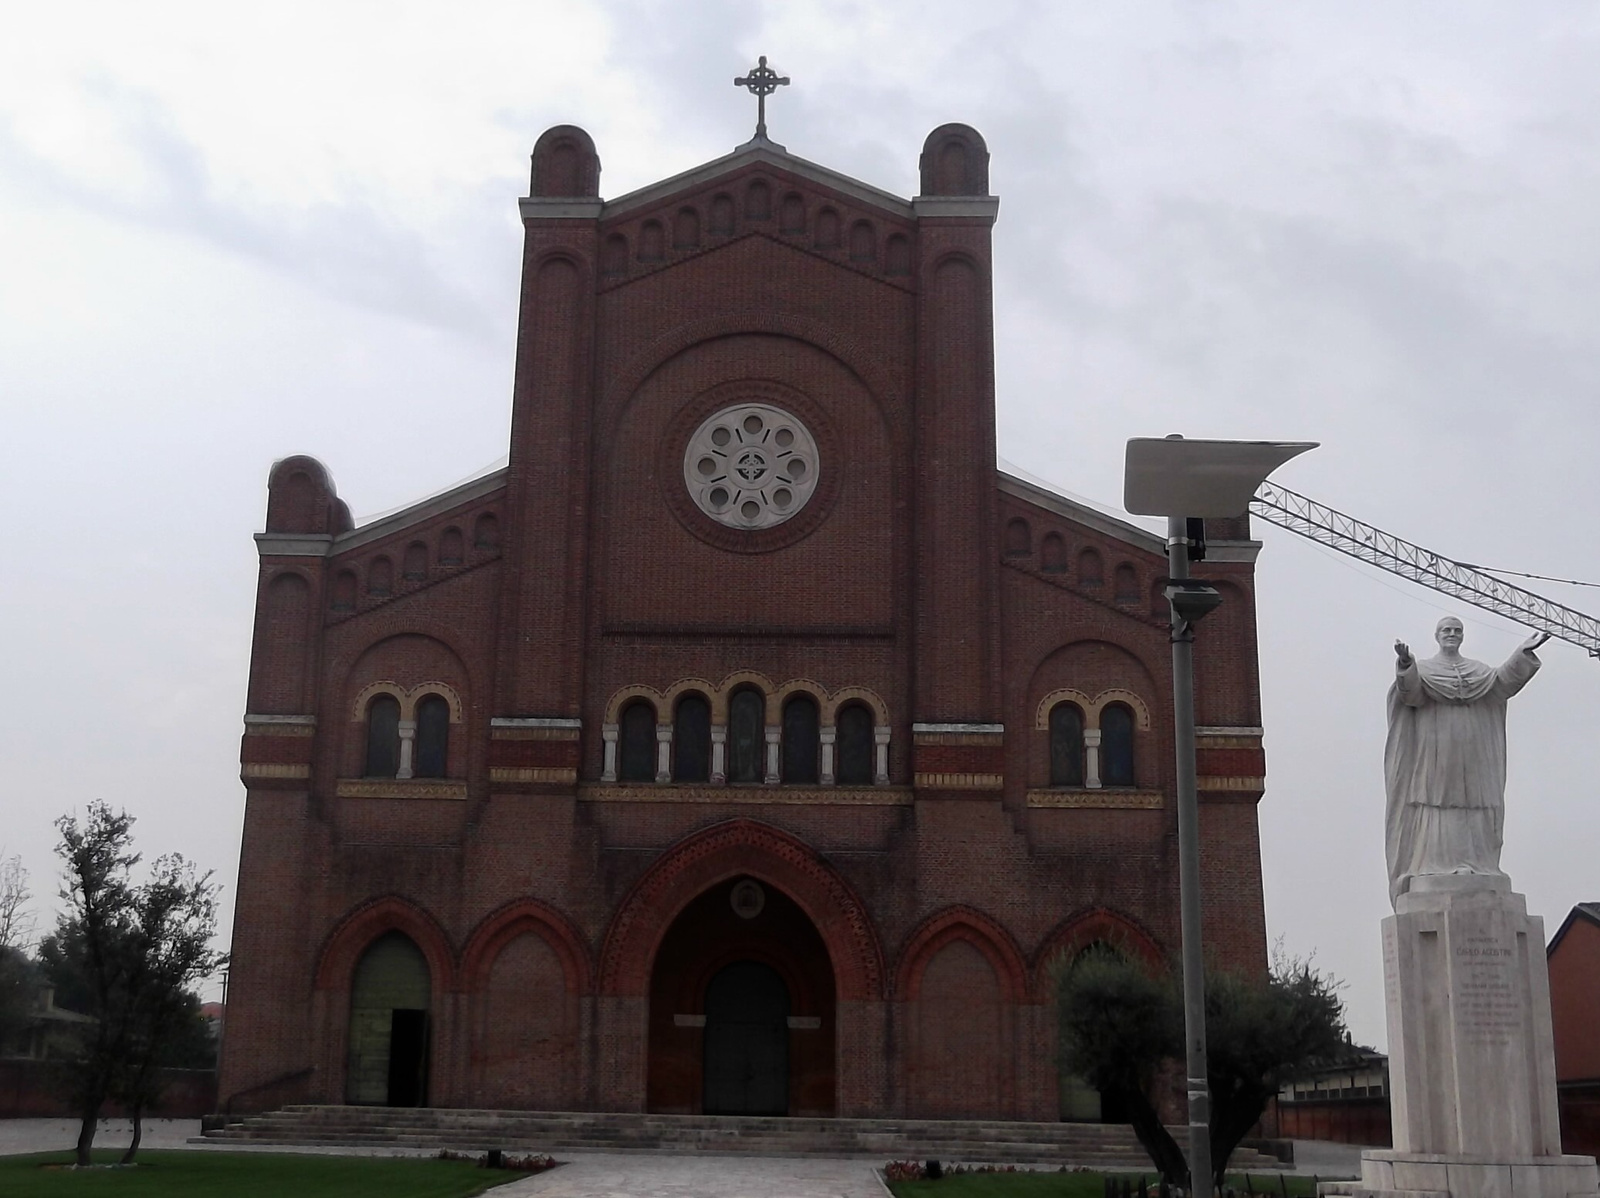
(850, 796)
(984, 740)
(407, 698)
(958, 781)
(280, 730)
(1208, 782)
(1203, 741)
(855, 694)
(533, 773)
(1145, 800)
(533, 733)
(400, 788)
(627, 695)
(273, 769)
(1092, 707)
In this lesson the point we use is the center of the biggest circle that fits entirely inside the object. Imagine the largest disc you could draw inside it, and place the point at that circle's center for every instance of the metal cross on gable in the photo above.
(762, 82)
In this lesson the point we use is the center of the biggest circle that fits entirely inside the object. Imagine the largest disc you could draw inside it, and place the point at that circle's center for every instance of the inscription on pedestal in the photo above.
(1489, 1010)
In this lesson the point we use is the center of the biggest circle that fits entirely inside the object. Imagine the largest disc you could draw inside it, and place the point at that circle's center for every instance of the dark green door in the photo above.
(747, 1042)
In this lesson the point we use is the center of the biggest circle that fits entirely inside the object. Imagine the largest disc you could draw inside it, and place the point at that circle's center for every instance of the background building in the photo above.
(749, 743)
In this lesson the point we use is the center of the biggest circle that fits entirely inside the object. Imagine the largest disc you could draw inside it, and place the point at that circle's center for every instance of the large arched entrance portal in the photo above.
(742, 1008)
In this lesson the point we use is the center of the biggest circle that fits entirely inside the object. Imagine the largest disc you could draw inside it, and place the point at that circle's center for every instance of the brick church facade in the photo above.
(749, 743)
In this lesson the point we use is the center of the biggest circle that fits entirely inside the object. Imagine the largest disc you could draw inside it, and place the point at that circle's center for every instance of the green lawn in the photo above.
(1069, 1185)
(213, 1174)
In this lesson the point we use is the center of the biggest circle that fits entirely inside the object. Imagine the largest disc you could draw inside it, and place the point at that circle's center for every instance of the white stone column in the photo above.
(772, 755)
(1091, 758)
(408, 736)
(719, 754)
(608, 734)
(829, 735)
(663, 752)
(880, 742)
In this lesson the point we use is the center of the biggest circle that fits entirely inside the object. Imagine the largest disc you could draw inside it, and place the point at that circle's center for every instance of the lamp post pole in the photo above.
(1165, 477)
(1194, 968)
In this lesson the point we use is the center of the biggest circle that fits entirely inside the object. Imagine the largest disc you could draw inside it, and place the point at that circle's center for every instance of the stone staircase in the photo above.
(1093, 1145)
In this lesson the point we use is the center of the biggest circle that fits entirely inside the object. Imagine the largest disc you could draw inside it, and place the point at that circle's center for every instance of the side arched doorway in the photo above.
(742, 1008)
(390, 1026)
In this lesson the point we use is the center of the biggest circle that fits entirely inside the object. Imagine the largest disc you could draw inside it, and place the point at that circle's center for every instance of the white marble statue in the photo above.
(1445, 762)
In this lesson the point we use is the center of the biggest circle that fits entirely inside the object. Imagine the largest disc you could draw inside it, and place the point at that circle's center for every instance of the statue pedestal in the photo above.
(1471, 1057)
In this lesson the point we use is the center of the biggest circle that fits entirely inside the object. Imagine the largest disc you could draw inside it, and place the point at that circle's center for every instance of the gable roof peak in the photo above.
(761, 150)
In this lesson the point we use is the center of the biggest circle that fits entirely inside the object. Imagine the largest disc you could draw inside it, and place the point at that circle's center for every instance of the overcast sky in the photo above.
(230, 233)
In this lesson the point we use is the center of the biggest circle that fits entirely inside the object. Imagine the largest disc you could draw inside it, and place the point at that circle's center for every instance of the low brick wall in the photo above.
(1345, 1121)
(42, 1089)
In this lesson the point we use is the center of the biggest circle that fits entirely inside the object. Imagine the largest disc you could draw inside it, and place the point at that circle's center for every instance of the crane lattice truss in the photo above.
(1323, 524)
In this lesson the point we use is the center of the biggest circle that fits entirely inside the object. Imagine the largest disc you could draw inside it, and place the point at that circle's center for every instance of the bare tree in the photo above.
(16, 935)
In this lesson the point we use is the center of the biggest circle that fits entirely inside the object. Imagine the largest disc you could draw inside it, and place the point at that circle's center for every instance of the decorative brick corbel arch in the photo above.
(728, 850)
(343, 948)
(1075, 933)
(499, 928)
(977, 929)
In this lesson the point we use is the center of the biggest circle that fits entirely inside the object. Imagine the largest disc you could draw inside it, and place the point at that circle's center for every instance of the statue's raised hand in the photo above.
(1402, 652)
(1533, 642)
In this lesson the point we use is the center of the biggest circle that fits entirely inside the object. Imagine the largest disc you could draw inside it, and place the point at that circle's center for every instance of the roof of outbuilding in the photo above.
(1589, 912)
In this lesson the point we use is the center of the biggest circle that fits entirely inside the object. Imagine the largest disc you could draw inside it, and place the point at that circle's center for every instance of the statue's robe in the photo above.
(1445, 765)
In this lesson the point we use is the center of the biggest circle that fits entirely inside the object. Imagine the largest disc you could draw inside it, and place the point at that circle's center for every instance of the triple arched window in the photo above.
(744, 750)
(1092, 756)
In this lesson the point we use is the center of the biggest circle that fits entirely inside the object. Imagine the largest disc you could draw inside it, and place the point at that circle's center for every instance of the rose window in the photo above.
(751, 466)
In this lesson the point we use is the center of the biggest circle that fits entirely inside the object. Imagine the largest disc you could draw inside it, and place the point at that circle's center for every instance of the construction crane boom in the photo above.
(1323, 524)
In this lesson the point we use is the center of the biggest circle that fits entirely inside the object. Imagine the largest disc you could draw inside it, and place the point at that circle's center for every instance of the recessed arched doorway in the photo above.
(742, 1002)
(390, 1032)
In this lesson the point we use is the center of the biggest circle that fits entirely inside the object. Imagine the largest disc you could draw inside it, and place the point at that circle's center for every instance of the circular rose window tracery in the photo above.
(751, 466)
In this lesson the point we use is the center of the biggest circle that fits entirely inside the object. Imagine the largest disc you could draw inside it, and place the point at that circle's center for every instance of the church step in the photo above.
(963, 1140)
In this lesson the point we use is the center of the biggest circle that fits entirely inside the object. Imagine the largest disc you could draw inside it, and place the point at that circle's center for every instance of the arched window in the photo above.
(793, 216)
(344, 591)
(722, 215)
(1053, 554)
(1116, 745)
(686, 230)
(383, 737)
(758, 201)
(652, 242)
(897, 255)
(486, 532)
(1125, 584)
(637, 751)
(800, 740)
(1066, 745)
(450, 551)
(1091, 568)
(1019, 542)
(380, 576)
(416, 562)
(827, 230)
(691, 740)
(614, 256)
(854, 746)
(433, 738)
(746, 736)
(863, 242)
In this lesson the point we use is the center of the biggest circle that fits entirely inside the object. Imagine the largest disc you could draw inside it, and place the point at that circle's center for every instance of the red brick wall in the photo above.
(899, 579)
(1575, 1002)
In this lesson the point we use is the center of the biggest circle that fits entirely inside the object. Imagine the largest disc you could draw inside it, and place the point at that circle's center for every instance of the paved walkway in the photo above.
(599, 1174)
(652, 1175)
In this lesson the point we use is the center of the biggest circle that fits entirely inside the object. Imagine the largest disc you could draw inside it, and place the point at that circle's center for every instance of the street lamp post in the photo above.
(1187, 481)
